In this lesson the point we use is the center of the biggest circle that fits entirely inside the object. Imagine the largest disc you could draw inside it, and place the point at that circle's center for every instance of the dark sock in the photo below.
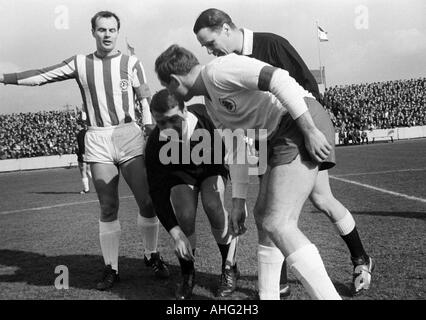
(353, 241)
(224, 249)
(187, 266)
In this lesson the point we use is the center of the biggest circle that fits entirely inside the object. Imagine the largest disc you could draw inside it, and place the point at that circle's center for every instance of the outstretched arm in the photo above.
(37, 77)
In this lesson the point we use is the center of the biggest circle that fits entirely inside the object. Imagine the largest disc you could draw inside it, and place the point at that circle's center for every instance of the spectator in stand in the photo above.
(384, 105)
(44, 133)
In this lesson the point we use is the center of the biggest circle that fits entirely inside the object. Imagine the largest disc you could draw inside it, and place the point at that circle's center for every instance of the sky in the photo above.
(369, 40)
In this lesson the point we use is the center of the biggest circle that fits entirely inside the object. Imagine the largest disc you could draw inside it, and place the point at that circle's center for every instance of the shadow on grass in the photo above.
(409, 215)
(136, 280)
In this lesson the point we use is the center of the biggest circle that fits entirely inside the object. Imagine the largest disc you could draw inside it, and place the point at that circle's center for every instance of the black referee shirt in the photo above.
(277, 51)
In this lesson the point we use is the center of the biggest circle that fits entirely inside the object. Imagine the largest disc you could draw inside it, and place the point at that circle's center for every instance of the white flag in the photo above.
(322, 35)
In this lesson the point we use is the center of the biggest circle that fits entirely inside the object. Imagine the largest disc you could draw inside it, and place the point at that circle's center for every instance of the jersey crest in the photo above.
(228, 103)
(124, 84)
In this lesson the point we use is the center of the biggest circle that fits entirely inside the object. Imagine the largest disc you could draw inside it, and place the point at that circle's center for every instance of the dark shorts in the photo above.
(288, 142)
(195, 177)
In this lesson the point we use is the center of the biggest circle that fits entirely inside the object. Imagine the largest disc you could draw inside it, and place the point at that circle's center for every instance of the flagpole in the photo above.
(319, 54)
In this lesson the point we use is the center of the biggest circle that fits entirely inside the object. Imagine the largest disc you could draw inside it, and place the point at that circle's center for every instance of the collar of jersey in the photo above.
(107, 57)
(247, 42)
(190, 123)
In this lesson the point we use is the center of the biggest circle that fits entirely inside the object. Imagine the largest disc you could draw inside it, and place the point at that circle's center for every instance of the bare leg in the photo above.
(288, 187)
(271, 266)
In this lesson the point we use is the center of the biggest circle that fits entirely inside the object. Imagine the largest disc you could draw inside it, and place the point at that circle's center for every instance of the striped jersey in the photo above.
(109, 86)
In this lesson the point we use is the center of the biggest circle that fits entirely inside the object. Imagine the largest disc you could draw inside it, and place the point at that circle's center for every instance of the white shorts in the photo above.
(114, 145)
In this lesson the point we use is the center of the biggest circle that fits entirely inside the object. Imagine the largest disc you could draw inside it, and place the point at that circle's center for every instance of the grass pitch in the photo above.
(45, 222)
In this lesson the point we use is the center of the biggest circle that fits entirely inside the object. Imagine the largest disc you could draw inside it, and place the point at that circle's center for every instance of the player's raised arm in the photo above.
(37, 77)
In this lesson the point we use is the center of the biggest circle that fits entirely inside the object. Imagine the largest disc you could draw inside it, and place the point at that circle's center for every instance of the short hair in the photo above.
(174, 60)
(163, 101)
(104, 14)
(213, 19)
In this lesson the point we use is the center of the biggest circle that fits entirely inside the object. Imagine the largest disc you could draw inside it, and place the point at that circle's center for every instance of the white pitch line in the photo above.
(380, 189)
(3, 213)
(378, 172)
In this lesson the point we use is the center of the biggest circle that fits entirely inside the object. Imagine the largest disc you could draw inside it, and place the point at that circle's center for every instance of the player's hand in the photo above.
(317, 145)
(238, 216)
(183, 248)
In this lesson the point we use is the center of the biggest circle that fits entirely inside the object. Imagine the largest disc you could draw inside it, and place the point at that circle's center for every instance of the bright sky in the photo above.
(369, 40)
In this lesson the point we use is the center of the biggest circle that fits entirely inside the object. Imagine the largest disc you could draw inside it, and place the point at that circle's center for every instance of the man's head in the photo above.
(216, 31)
(105, 28)
(174, 67)
(168, 111)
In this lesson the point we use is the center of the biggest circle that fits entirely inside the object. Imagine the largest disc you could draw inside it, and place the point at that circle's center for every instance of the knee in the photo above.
(146, 208)
(109, 212)
(321, 202)
(273, 224)
(213, 208)
(186, 220)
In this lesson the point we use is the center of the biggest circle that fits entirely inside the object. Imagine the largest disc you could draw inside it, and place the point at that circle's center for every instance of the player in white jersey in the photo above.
(216, 32)
(245, 93)
(111, 83)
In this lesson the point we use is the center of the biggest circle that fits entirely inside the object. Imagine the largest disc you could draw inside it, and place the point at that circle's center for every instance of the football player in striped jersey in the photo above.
(111, 83)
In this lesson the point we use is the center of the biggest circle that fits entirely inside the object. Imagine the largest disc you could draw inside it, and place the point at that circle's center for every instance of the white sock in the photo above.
(223, 236)
(345, 225)
(269, 261)
(109, 236)
(149, 228)
(232, 252)
(85, 182)
(307, 265)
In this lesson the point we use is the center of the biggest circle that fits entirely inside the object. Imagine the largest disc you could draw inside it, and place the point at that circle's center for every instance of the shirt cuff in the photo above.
(289, 93)
(10, 78)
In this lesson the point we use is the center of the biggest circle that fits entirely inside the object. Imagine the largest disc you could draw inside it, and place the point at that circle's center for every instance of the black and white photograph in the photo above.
(219, 152)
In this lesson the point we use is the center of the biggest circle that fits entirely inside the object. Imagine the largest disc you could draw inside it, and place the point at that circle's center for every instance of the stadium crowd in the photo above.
(354, 109)
(44, 133)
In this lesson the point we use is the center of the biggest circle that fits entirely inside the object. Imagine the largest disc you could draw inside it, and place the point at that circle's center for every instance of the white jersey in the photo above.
(238, 99)
(108, 85)
(235, 100)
